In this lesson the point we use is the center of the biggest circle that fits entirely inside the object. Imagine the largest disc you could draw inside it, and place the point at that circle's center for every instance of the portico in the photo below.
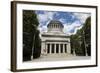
(56, 47)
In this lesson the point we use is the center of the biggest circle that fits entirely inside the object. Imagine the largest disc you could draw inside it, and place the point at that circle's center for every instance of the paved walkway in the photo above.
(59, 57)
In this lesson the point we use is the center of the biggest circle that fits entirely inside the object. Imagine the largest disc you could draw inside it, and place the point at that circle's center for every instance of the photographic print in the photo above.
(53, 36)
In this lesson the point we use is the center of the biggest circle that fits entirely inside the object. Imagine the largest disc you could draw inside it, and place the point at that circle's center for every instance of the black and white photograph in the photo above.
(53, 36)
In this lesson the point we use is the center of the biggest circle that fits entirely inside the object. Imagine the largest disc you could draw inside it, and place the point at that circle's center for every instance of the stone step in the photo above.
(57, 55)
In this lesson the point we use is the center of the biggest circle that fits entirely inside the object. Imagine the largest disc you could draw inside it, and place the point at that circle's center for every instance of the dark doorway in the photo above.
(61, 46)
(65, 48)
(52, 48)
(48, 47)
(57, 48)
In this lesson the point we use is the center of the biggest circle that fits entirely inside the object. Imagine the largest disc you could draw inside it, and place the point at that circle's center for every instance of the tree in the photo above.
(37, 45)
(81, 41)
(30, 23)
(76, 44)
(87, 35)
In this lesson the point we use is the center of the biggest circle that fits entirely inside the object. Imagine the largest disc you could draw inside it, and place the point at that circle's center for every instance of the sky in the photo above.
(72, 21)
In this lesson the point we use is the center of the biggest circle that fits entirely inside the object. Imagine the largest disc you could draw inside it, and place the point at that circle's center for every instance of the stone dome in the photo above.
(55, 25)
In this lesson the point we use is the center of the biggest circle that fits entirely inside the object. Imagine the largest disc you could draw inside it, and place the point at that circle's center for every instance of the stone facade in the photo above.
(55, 41)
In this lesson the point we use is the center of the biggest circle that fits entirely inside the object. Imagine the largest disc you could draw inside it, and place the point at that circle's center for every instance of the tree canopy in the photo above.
(81, 41)
(31, 39)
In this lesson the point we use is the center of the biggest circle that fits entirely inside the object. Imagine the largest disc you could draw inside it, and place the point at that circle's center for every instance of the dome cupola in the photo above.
(55, 26)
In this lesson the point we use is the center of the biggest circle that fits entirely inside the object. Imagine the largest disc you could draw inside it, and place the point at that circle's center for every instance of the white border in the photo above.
(21, 65)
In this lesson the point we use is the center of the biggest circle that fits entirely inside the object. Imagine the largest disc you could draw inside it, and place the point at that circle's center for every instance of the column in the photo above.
(42, 48)
(54, 48)
(63, 48)
(59, 49)
(50, 48)
(68, 48)
(46, 48)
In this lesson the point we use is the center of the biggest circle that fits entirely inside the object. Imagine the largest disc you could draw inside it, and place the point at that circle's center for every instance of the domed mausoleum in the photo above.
(55, 41)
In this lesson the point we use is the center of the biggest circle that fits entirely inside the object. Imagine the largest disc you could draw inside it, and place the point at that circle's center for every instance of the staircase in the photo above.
(57, 55)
